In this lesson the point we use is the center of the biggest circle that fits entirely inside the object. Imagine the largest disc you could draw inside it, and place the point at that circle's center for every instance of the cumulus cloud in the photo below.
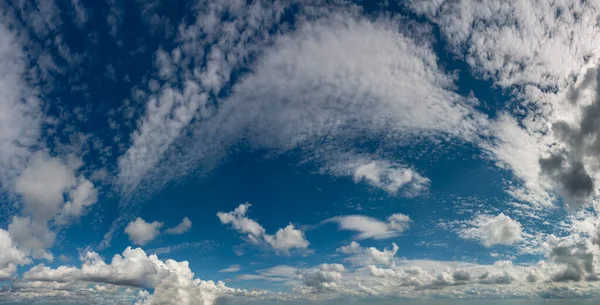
(43, 187)
(10, 256)
(368, 256)
(284, 240)
(173, 282)
(184, 226)
(141, 232)
(493, 230)
(324, 277)
(368, 227)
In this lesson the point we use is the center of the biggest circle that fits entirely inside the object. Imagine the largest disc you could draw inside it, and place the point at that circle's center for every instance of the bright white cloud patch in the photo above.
(369, 256)
(368, 227)
(390, 179)
(493, 230)
(283, 241)
(141, 232)
(173, 282)
(184, 226)
(10, 256)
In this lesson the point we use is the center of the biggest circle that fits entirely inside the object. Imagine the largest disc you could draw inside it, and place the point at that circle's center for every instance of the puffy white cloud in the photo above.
(184, 226)
(284, 240)
(493, 230)
(325, 277)
(316, 88)
(287, 238)
(173, 282)
(368, 227)
(369, 256)
(390, 179)
(10, 256)
(32, 236)
(43, 186)
(141, 232)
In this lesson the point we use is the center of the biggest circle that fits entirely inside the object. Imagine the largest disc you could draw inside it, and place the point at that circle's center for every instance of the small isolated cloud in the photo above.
(141, 232)
(389, 178)
(368, 227)
(284, 240)
(493, 230)
(184, 226)
(369, 256)
(232, 268)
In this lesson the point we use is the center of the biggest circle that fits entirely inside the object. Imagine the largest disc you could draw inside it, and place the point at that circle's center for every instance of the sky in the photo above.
(299, 152)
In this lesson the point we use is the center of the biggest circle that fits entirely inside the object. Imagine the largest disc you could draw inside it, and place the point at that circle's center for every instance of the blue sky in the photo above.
(285, 152)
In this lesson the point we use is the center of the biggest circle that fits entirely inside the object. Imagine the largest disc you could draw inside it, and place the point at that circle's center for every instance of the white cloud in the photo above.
(389, 179)
(173, 282)
(33, 236)
(284, 240)
(357, 78)
(502, 43)
(493, 230)
(368, 227)
(232, 268)
(20, 116)
(169, 111)
(550, 68)
(325, 277)
(141, 232)
(10, 256)
(382, 174)
(369, 256)
(43, 186)
(184, 226)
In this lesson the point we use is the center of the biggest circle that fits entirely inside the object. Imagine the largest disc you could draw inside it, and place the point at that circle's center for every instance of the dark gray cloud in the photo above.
(571, 168)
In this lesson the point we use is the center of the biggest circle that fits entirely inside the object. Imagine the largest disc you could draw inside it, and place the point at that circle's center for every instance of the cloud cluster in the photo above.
(319, 88)
(368, 227)
(550, 67)
(173, 282)
(284, 240)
